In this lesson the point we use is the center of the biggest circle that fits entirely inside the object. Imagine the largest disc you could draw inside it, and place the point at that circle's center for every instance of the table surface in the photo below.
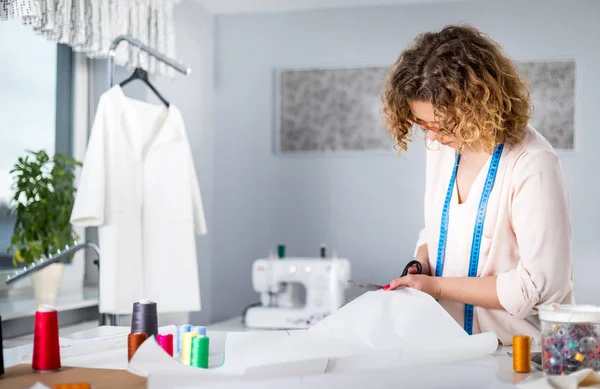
(498, 366)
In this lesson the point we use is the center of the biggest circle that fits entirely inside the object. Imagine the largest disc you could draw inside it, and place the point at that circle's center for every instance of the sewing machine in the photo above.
(297, 292)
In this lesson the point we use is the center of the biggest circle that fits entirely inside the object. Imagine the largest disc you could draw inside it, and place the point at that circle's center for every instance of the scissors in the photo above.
(366, 285)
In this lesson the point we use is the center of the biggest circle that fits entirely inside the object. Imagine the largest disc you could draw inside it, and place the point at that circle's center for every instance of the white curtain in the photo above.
(89, 26)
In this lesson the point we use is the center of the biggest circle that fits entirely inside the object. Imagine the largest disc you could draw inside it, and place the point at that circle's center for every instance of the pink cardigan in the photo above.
(526, 237)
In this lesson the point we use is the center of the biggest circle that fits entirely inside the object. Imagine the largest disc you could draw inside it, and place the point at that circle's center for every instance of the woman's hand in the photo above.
(422, 282)
(477, 291)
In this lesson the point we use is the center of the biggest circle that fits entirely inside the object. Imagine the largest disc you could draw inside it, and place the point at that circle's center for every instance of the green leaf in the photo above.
(42, 203)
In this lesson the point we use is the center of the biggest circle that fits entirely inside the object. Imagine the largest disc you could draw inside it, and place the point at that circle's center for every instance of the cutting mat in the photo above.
(21, 376)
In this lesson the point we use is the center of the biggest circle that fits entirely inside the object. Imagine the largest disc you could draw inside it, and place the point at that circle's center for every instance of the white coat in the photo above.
(138, 185)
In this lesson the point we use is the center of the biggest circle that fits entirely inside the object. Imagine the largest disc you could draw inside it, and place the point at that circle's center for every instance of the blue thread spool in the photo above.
(556, 353)
(180, 331)
(201, 330)
(557, 344)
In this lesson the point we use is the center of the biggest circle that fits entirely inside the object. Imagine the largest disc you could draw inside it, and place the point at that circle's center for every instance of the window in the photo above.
(35, 107)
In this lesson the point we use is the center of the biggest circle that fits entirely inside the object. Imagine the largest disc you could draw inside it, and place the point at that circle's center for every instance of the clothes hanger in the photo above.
(141, 74)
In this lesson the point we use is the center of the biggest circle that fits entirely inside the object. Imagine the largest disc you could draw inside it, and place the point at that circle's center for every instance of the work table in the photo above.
(495, 369)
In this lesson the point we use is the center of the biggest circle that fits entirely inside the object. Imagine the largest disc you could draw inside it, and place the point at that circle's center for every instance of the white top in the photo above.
(526, 238)
(139, 185)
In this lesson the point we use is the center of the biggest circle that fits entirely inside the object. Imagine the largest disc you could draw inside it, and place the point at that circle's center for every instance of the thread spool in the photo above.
(46, 350)
(201, 330)
(134, 341)
(182, 329)
(1, 348)
(281, 251)
(186, 346)
(166, 342)
(144, 318)
(567, 348)
(521, 353)
(200, 352)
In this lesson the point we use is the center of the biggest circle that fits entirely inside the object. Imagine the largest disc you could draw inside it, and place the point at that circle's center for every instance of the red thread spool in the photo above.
(166, 342)
(134, 341)
(46, 350)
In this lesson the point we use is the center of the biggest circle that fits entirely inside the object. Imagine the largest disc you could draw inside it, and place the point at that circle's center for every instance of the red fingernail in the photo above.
(386, 287)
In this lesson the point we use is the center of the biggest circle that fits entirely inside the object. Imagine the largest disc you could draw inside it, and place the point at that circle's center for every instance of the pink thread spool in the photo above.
(166, 342)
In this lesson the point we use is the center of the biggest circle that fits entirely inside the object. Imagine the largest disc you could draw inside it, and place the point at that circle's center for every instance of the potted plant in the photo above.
(44, 194)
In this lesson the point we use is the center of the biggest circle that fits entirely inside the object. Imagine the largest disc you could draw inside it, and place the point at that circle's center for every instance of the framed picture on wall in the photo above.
(330, 110)
(552, 88)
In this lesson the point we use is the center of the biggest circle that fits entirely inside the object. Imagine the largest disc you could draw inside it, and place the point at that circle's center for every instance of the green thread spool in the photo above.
(200, 351)
(186, 344)
(281, 251)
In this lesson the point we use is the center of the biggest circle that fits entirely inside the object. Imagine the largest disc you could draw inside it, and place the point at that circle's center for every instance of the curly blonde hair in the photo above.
(475, 89)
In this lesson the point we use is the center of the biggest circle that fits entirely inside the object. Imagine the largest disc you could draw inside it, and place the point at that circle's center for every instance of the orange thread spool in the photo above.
(134, 341)
(78, 385)
(521, 353)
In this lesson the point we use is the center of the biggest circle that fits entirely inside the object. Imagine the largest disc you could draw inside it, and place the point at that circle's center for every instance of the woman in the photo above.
(502, 244)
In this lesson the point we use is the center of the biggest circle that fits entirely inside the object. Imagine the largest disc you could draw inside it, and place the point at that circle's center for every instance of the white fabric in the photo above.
(586, 378)
(90, 26)
(377, 331)
(138, 185)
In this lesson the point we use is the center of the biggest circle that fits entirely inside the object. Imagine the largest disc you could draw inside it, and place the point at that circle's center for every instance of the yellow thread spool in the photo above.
(186, 346)
(521, 353)
(579, 357)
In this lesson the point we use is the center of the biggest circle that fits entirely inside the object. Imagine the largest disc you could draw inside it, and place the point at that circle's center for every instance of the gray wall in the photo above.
(367, 206)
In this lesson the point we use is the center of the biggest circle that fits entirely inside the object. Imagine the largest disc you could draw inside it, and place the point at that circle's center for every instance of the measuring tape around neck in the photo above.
(477, 231)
